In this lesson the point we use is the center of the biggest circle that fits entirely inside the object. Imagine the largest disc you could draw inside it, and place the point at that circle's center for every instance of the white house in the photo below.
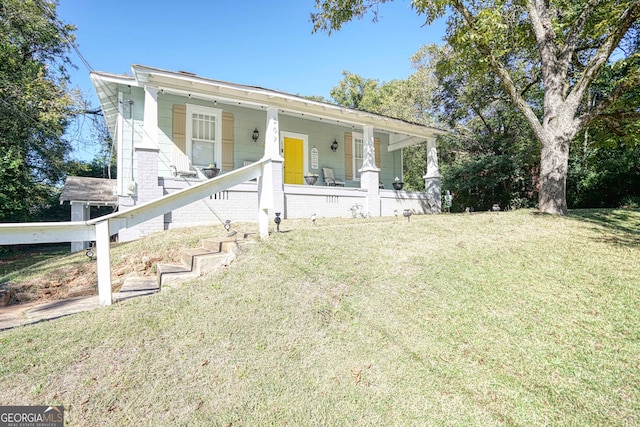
(169, 126)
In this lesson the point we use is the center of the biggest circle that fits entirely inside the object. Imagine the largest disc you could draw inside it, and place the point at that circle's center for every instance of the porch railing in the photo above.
(102, 228)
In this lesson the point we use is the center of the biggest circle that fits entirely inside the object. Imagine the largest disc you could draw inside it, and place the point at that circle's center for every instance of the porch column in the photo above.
(370, 173)
(270, 184)
(433, 179)
(103, 245)
(79, 212)
(150, 134)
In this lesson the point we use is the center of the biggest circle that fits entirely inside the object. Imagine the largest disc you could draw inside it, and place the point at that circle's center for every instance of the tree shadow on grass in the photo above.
(615, 226)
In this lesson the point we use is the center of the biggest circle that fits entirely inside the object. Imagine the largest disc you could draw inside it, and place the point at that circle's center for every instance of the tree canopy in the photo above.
(555, 49)
(35, 105)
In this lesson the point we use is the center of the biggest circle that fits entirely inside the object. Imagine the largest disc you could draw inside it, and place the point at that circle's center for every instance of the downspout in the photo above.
(111, 150)
(402, 164)
(131, 176)
(119, 140)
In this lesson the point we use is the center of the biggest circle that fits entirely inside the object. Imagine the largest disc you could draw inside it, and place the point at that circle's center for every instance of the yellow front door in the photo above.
(293, 161)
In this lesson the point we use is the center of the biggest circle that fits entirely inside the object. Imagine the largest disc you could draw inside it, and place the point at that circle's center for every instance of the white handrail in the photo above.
(45, 232)
(102, 228)
(162, 205)
(73, 231)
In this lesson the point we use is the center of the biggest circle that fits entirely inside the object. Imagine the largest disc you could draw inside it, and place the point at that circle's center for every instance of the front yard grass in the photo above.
(485, 319)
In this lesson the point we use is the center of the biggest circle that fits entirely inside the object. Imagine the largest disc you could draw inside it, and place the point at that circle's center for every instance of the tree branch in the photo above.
(545, 37)
(576, 29)
(94, 112)
(502, 72)
(532, 83)
(593, 68)
(484, 122)
(599, 109)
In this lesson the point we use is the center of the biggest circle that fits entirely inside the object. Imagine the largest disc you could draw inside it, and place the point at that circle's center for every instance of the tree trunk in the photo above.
(554, 164)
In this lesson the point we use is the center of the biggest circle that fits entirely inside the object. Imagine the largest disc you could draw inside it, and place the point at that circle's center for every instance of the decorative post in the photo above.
(270, 184)
(433, 179)
(370, 173)
(104, 262)
(265, 198)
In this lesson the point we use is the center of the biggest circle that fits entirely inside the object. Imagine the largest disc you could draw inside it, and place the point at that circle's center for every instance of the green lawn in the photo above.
(485, 319)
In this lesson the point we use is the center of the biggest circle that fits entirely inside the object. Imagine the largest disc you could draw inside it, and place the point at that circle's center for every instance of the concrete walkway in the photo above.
(25, 314)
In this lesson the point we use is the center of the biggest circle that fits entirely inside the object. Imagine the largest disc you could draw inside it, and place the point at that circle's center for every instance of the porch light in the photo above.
(91, 252)
(334, 145)
(255, 135)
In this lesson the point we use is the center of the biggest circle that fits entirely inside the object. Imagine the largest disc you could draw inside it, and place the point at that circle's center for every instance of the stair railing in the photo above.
(102, 228)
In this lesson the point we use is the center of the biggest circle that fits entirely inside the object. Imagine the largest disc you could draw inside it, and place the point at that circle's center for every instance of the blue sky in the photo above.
(255, 42)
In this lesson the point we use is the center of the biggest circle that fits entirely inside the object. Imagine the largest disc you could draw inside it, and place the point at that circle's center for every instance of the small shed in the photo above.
(82, 193)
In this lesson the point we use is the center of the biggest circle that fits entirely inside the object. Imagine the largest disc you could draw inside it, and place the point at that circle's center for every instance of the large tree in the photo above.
(35, 105)
(563, 47)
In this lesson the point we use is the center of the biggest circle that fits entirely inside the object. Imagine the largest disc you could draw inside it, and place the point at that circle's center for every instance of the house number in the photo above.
(314, 158)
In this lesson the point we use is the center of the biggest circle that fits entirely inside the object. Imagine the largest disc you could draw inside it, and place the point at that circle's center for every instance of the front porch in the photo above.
(299, 201)
(240, 202)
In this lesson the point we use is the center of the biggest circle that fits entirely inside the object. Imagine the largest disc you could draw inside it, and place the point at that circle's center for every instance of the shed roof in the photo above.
(92, 191)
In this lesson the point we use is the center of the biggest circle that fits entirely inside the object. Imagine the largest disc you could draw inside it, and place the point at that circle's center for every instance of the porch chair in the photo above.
(181, 165)
(331, 180)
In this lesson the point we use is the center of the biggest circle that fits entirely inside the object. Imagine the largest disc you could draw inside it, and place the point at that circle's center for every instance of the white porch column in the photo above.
(370, 173)
(270, 184)
(433, 179)
(272, 136)
(265, 198)
(79, 212)
(150, 137)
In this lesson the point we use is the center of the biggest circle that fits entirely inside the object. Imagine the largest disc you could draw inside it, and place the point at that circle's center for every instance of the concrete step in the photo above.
(207, 263)
(187, 256)
(224, 243)
(210, 256)
(173, 274)
(216, 245)
(212, 245)
(138, 286)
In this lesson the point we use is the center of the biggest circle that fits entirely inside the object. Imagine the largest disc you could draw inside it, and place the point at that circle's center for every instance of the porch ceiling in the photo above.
(399, 141)
(107, 87)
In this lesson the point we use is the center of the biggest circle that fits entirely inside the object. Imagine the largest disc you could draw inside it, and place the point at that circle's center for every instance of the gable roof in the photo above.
(401, 133)
(92, 191)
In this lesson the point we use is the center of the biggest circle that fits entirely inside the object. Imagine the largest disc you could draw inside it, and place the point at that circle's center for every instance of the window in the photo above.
(204, 135)
(358, 147)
